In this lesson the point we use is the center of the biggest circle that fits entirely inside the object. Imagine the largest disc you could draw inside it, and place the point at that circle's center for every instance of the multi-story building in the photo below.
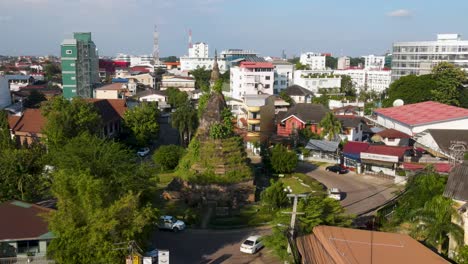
(343, 63)
(369, 80)
(146, 60)
(373, 62)
(315, 81)
(199, 50)
(421, 56)
(80, 66)
(232, 55)
(5, 98)
(283, 75)
(250, 78)
(315, 61)
(189, 64)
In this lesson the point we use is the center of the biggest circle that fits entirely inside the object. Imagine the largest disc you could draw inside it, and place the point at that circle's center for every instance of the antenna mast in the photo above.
(155, 46)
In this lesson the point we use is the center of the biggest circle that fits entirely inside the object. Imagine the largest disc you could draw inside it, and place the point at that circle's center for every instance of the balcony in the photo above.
(253, 109)
(253, 121)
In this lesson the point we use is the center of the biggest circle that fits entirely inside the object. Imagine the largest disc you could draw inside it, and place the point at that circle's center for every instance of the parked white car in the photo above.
(143, 152)
(334, 193)
(251, 245)
(170, 223)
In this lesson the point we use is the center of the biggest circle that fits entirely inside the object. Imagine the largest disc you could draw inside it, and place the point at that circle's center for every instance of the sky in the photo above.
(340, 27)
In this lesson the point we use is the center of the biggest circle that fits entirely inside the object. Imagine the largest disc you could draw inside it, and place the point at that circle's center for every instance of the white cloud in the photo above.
(400, 13)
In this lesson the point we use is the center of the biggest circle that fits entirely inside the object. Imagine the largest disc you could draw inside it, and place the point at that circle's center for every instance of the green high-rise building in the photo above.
(80, 66)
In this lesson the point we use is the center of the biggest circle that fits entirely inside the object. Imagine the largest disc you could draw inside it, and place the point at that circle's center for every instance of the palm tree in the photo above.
(331, 126)
(433, 223)
(185, 119)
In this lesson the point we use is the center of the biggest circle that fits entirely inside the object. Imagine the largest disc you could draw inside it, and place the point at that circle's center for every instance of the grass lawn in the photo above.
(165, 179)
(301, 183)
(250, 215)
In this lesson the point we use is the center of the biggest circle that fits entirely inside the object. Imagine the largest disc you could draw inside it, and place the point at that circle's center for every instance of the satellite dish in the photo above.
(398, 102)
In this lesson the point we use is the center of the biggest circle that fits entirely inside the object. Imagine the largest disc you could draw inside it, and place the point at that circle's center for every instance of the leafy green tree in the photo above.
(307, 134)
(462, 255)
(53, 72)
(449, 80)
(218, 86)
(355, 62)
(142, 121)
(282, 160)
(67, 119)
(331, 62)
(202, 78)
(274, 197)
(34, 99)
(286, 97)
(224, 129)
(433, 223)
(347, 86)
(171, 59)
(176, 98)
(300, 66)
(90, 221)
(185, 119)
(323, 100)
(5, 138)
(168, 156)
(331, 126)
(411, 89)
(202, 102)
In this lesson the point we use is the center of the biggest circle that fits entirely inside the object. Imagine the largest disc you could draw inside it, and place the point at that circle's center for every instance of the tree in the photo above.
(202, 102)
(433, 223)
(224, 129)
(142, 121)
(411, 89)
(307, 134)
(355, 62)
(282, 160)
(274, 197)
(331, 126)
(202, 78)
(176, 98)
(462, 255)
(90, 221)
(34, 99)
(331, 62)
(347, 86)
(168, 156)
(67, 119)
(449, 80)
(185, 119)
(53, 72)
(286, 97)
(300, 66)
(171, 59)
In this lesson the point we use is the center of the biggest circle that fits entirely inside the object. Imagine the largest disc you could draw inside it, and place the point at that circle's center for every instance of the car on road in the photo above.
(337, 169)
(251, 245)
(334, 193)
(143, 152)
(168, 222)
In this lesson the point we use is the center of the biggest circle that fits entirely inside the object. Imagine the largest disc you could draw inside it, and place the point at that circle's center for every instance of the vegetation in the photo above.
(331, 62)
(167, 157)
(224, 129)
(286, 97)
(34, 99)
(53, 72)
(300, 66)
(331, 126)
(462, 255)
(274, 197)
(171, 59)
(202, 78)
(142, 122)
(358, 61)
(306, 134)
(185, 120)
(347, 86)
(283, 160)
(202, 102)
(176, 98)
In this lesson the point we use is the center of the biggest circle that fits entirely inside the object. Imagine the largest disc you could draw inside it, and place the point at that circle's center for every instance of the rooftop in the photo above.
(113, 87)
(297, 90)
(392, 133)
(31, 121)
(338, 245)
(355, 147)
(253, 65)
(307, 113)
(423, 113)
(457, 184)
(387, 150)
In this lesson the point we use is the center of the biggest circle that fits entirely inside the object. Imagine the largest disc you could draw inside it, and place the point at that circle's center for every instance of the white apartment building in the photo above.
(251, 78)
(135, 60)
(420, 56)
(315, 61)
(371, 80)
(314, 81)
(373, 62)
(343, 63)
(188, 64)
(199, 50)
(284, 72)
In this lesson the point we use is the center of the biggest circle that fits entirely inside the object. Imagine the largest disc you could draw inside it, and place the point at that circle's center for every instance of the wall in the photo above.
(188, 64)
(107, 94)
(388, 123)
(5, 99)
(314, 84)
(283, 76)
(243, 82)
(292, 124)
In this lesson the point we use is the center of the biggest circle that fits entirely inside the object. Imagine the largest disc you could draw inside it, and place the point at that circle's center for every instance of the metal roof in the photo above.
(322, 145)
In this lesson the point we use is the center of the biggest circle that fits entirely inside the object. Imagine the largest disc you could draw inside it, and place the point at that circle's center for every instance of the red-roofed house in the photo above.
(352, 154)
(383, 159)
(392, 137)
(414, 118)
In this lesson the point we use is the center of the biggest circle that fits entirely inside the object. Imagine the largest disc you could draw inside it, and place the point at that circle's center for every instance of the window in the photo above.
(72, 64)
(73, 78)
(267, 77)
(68, 52)
(267, 86)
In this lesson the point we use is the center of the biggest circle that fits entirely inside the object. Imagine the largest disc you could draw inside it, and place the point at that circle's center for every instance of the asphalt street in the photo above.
(200, 246)
(360, 193)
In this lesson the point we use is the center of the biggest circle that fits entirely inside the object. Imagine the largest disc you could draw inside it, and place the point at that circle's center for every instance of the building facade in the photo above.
(420, 57)
(80, 66)
(5, 98)
(315, 61)
(343, 63)
(199, 50)
(284, 72)
(373, 62)
(366, 79)
(315, 81)
(251, 78)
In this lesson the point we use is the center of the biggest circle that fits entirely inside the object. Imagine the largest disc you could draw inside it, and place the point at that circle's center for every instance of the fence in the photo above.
(26, 260)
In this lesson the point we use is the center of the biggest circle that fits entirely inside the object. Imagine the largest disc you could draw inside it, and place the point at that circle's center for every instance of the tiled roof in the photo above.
(31, 121)
(12, 120)
(307, 113)
(339, 245)
(252, 65)
(354, 147)
(296, 90)
(322, 145)
(387, 150)
(20, 220)
(113, 87)
(423, 113)
(350, 121)
(392, 133)
(457, 184)
(439, 167)
(110, 109)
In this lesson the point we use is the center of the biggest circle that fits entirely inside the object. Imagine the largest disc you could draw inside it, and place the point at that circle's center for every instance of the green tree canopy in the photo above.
(53, 72)
(185, 120)
(282, 160)
(142, 121)
(411, 89)
(34, 99)
(449, 80)
(171, 59)
(286, 97)
(331, 62)
(168, 156)
(67, 119)
(176, 97)
(331, 126)
(202, 78)
(347, 86)
(274, 197)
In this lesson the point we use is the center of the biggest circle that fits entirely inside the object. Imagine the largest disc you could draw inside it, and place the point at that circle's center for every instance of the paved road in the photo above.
(360, 193)
(200, 246)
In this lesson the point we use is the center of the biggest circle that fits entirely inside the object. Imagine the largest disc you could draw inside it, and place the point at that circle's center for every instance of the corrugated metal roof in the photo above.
(322, 145)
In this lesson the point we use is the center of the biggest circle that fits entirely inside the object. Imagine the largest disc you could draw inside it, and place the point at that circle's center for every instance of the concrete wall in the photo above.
(389, 123)
(107, 94)
(5, 98)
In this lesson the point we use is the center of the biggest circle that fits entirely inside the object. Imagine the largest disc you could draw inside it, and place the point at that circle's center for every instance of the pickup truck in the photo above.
(170, 223)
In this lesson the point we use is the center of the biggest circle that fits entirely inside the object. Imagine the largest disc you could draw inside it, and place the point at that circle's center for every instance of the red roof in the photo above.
(387, 150)
(252, 65)
(423, 113)
(439, 167)
(355, 147)
(172, 63)
(392, 133)
(140, 69)
(31, 121)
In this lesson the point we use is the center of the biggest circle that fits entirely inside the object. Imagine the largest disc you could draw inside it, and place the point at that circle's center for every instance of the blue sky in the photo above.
(341, 27)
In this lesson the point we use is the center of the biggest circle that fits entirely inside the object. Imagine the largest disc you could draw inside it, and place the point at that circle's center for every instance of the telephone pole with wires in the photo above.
(132, 248)
(293, 215)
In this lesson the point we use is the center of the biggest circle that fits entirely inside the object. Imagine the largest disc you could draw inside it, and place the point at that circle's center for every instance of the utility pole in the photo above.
(293, 215)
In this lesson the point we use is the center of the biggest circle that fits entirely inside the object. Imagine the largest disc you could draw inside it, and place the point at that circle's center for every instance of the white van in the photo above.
(334, 193)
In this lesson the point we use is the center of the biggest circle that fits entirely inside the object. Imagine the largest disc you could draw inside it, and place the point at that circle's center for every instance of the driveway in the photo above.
(200, 246)
(360, 193)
